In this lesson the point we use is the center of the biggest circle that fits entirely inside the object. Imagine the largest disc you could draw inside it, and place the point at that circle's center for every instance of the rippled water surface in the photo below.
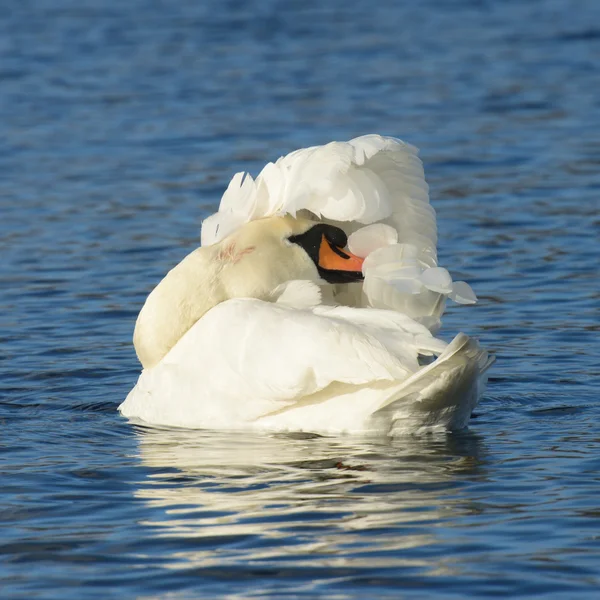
(121, 124)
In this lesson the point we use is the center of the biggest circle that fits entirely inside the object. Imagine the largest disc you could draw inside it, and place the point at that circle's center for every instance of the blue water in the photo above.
(120, 126)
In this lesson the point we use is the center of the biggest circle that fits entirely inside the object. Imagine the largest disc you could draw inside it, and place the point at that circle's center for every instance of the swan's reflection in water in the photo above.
(327, 502)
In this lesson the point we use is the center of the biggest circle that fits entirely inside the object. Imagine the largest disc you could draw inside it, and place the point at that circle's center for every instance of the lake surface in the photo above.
(121, 125)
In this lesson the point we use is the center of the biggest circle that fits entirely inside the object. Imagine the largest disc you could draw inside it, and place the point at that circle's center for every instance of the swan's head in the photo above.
(278, 249)
(326, 246)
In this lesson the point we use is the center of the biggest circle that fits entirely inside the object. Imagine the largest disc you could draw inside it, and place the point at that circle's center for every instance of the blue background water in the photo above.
(121, 124)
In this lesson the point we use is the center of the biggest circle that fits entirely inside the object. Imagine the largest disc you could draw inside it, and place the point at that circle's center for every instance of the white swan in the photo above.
(273, 323)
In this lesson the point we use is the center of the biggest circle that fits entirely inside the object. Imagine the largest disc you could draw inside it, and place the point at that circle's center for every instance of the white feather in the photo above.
(372, 237)
(462, 293)
(437, 279)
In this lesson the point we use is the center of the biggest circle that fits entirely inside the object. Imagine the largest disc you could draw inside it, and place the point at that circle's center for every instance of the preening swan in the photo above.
(311, 305)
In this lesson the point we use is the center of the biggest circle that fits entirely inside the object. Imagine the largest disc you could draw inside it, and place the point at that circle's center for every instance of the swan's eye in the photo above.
(309, 240)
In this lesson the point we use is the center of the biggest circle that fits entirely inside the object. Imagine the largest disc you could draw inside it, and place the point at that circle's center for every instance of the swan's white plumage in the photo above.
(249, 362)
(285, 358)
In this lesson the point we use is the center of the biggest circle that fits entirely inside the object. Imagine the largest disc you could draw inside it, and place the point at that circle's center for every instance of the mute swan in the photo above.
(280, 321)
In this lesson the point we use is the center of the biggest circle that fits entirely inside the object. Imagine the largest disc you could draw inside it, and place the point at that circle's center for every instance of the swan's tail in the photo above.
(442, 395)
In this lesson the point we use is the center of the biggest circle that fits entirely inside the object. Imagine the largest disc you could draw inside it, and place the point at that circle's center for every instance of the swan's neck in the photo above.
(187, 292)
(205, 278)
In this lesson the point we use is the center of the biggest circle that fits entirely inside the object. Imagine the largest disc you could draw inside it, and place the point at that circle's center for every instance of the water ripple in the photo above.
(122, 124)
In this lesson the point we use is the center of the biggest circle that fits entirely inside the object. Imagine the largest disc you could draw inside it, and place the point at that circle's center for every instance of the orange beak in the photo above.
(333, 258)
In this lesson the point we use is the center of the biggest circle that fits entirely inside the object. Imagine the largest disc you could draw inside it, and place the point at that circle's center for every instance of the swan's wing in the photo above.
(440, 396)
(247, 358)
(368, 179)
(273, 350)
(371, 180)
(406, 338)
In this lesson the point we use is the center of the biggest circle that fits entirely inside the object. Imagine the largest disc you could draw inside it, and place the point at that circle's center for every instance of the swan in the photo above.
(312, 305)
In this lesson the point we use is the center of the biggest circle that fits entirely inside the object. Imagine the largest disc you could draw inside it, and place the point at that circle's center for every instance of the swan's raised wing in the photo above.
(246, 359)
(371, 181)
(368, 179)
